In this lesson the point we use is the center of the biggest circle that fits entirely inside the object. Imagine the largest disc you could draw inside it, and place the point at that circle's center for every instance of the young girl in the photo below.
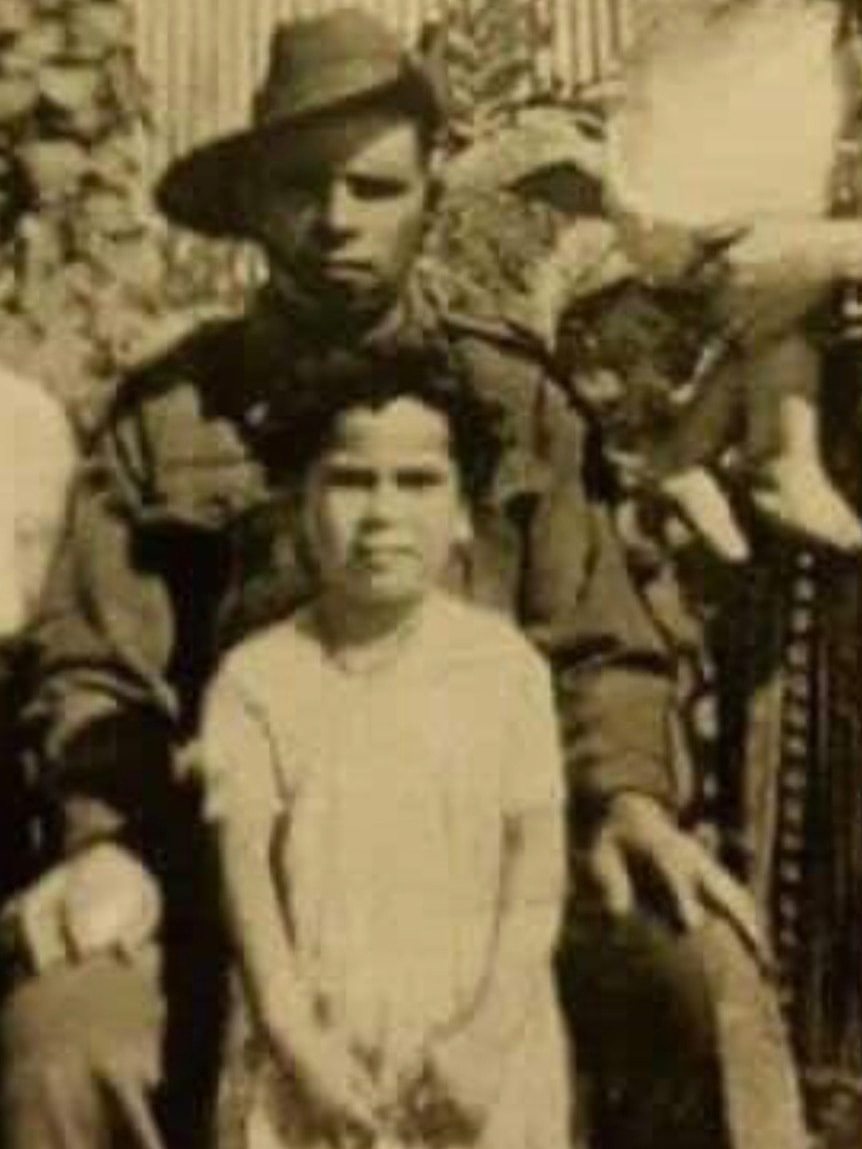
(721, 173)
(385, 783)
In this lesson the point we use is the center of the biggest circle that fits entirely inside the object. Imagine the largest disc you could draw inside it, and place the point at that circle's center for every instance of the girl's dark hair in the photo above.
(373, 378)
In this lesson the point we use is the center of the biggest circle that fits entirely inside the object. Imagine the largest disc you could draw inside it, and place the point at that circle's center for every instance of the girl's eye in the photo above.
(420, 479)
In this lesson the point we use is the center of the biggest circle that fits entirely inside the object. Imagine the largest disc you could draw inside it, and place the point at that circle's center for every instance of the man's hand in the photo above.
(638, 835)
(102, 899)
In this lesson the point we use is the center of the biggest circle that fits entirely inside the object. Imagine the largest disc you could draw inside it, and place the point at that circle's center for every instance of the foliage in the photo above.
(83, 270)
(488, 61)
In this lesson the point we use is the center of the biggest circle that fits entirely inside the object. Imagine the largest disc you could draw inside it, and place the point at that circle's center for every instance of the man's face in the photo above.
(340, 227)
(382, 505)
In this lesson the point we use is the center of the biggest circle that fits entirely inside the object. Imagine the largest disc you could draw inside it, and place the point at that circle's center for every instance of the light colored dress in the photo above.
(397, 784)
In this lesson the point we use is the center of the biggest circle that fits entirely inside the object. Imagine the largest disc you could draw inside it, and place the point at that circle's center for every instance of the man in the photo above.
(174, 548)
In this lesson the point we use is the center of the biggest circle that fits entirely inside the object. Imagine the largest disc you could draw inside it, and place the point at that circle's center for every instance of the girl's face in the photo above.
(382, 505)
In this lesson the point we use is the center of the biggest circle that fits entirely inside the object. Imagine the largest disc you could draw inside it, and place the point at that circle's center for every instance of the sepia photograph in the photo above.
(431, 604)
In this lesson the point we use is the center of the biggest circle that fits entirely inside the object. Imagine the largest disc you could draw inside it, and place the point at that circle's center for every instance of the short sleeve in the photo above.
(238, 759)
(533, 760)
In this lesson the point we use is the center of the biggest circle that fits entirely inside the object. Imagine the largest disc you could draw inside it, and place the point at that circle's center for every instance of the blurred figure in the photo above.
(37, 459)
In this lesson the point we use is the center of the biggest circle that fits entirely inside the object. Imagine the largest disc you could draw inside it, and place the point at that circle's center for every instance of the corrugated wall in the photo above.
(203, 58)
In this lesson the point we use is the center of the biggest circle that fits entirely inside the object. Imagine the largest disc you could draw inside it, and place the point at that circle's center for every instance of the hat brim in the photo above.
(201, 190)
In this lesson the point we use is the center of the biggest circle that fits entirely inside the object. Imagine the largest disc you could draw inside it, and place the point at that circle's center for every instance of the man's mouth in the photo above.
(337, 268)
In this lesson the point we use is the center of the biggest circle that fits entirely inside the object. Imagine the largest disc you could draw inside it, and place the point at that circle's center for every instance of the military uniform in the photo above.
(179, 544)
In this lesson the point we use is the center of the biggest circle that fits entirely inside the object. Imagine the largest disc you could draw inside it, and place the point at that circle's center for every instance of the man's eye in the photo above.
(296, 186)
(376, 187)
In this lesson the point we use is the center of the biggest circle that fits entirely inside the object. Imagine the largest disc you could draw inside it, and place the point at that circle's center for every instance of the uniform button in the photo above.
(805, 561)
(805, 592)
(800, 620)
(794, 782)
(257, 414)
(789, 872)
(795, 746)
(795, 717)
(793, 811)
(788, 911)
(787, 939)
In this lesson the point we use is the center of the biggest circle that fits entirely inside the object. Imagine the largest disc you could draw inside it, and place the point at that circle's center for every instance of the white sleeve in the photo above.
(533, 777)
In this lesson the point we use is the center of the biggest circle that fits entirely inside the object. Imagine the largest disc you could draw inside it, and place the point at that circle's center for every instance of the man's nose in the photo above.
(339, 212)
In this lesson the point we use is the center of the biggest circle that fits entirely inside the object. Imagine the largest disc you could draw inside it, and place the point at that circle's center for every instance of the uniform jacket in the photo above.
(177, 544)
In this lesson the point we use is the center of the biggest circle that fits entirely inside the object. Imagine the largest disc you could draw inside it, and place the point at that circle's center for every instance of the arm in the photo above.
(470, 1056)
(615, 695)
(245, 806)
(613, 673)
(533, 881)
(530, 914)
(556, 565)
(464, 1066)
(101, 709)
(100, 722)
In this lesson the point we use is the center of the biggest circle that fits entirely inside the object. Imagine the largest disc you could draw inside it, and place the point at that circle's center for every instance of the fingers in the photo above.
(342, 1087)
(640, 832)
(732, 901)
(607, 869)
(355, 1104)
(681, 877)
(697, 884)
(442, 1118)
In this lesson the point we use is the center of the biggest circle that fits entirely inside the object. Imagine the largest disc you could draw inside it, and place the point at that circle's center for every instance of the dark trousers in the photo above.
(679, 1040)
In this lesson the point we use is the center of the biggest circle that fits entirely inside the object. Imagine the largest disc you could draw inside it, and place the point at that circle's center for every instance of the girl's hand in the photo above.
(429, 1110)
(459, 1086)
(334, 1082)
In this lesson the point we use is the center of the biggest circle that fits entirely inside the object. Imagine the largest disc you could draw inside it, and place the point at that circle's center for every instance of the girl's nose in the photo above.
(383, 502)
